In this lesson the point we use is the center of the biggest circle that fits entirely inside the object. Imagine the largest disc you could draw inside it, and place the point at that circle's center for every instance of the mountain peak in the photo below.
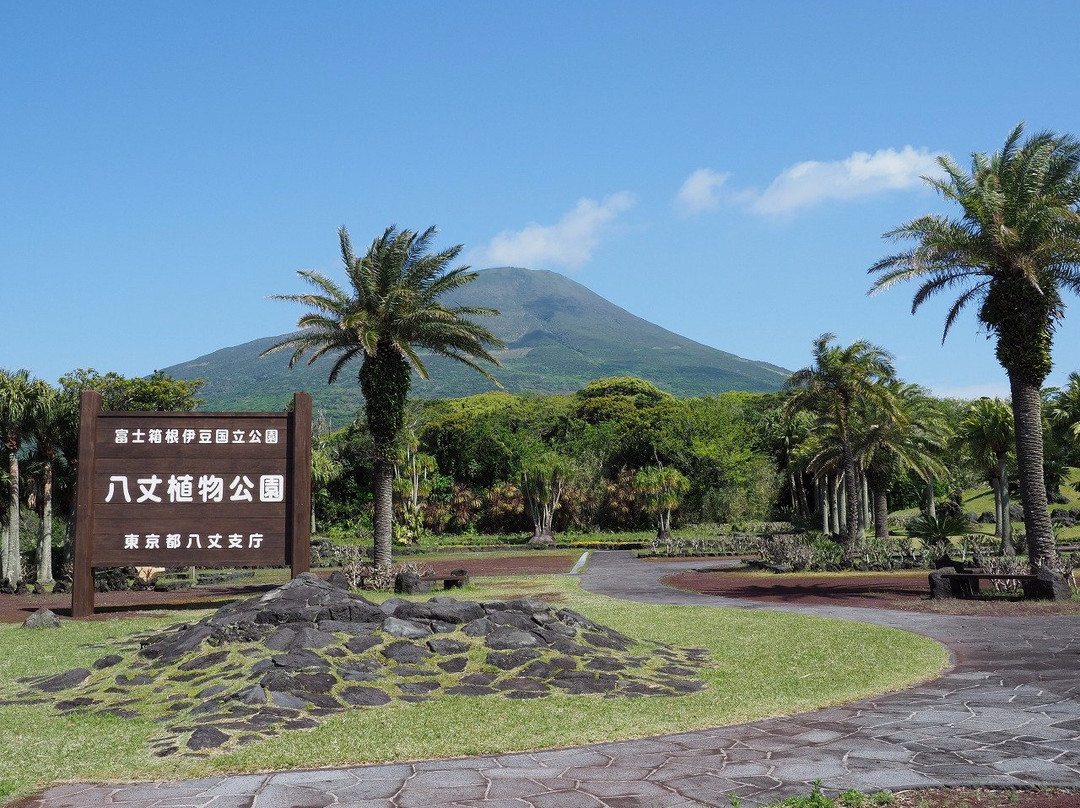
(559, 336)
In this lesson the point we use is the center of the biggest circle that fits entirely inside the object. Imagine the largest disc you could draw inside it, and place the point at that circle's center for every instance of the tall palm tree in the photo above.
(16, 407)
(1014, 250)
(391, 310)
(55, 419)
(909, 437)
(835, 387)
(986, 430)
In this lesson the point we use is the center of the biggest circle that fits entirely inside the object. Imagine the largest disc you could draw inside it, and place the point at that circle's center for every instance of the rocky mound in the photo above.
(310, 649)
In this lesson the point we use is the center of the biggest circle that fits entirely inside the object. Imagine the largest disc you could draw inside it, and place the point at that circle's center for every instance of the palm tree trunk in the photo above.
(804, 506)
(931, 505)
(1005, 522)
(881, 515)
(853, 531)
(834, 504)
(13, 565)
(384, 513)
(44, 570)
(867, 504)
(384, 380)
(996, 488)
(823, 502)
(1027, 413)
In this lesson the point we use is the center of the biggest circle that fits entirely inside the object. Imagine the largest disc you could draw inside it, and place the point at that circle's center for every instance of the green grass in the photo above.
(981, 499)
(765, 664)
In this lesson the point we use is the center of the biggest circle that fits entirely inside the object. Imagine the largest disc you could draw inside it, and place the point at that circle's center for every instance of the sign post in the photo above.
(175, 489)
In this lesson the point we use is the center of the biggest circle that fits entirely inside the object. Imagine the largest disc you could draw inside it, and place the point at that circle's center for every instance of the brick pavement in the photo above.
(1007, 714)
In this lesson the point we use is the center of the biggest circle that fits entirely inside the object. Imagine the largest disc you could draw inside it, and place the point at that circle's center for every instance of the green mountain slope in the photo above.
(559, 337)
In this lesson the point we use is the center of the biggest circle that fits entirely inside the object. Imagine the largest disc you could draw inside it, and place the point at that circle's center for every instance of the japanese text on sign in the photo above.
(204, 488)
(124, 435)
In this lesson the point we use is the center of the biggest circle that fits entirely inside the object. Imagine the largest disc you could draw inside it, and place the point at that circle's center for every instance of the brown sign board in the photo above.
(177, 489)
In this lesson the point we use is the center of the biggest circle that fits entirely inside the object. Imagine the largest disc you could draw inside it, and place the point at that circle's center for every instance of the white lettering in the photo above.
(180, 488)
(211, 488)
(241, 489)
(112, 490)
(148, 485)
(271, 488)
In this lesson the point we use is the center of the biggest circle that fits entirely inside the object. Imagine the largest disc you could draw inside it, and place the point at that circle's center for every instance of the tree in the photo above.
(660, 491)
(907, 437)
(543, 480)
(54, 423)
(391, 310)
(1013, 251)
(986, 430)
(158, 392)
(1064, 416)
(17, 394)
(841, 381)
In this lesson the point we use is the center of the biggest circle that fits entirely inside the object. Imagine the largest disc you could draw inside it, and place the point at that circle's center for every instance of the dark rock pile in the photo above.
(309, 649)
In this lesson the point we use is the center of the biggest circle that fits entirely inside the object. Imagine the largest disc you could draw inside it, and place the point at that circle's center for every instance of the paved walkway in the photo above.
(1007, 714)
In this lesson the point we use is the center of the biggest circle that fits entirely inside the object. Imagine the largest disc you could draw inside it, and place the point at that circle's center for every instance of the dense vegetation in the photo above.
(625, 456)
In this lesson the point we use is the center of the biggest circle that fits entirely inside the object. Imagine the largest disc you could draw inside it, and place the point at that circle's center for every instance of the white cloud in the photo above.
(805, 184)
(569, 243)
(861, 174)
(701, 192)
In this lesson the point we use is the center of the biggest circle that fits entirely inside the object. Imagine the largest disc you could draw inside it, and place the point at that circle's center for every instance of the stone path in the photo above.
(1007, 714)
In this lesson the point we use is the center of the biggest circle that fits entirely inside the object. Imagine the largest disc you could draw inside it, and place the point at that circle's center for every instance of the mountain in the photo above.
(559, 337)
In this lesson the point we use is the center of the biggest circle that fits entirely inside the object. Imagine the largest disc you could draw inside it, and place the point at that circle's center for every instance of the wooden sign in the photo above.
(178, 489)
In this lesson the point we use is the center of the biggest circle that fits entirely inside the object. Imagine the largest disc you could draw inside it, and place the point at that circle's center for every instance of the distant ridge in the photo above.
(559, 336)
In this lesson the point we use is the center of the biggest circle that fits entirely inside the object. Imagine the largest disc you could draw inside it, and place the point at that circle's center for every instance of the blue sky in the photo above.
(723, 169)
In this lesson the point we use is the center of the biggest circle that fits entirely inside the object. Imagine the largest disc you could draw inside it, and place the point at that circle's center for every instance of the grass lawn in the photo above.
(764, 664)
(981, 499)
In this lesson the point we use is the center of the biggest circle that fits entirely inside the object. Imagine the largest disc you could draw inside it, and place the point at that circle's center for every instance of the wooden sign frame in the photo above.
(171, 489)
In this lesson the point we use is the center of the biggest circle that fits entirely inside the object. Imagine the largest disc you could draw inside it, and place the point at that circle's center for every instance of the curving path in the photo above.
(1007, 714)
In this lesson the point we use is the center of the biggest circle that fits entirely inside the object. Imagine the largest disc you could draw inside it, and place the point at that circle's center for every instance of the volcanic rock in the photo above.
(285, 659)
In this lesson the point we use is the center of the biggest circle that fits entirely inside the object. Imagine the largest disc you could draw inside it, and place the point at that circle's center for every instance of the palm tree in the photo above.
(392, 309)
(1064, 416)
(661, 490)
(55, 417)
(16, 406)
(986, 430)
(835, 387)
(543, 480)
(909, 437)
(1013, 251)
